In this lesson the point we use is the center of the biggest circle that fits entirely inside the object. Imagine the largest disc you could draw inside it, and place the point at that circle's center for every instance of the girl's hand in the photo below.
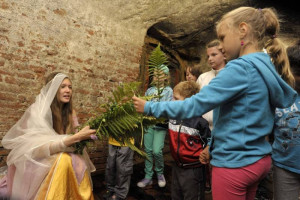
(139, 104)
(204, 156)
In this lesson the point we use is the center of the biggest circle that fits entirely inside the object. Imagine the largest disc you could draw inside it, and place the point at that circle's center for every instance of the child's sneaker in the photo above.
(207, 189)
(145, 182)
(107, 194)
(114, 197)
(161, 180)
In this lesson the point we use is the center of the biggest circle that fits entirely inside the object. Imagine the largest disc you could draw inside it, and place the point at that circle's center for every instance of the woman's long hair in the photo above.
(61, 113)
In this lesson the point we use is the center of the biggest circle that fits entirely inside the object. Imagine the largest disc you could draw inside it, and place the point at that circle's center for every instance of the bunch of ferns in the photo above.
(157, 61)
(118, 118)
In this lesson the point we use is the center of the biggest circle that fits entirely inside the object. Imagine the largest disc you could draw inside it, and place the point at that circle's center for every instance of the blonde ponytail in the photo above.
(275, 47)
(277, 52)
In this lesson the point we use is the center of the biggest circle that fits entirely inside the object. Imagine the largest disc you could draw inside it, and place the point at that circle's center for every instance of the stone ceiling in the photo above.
(183, 27)
(187, 34)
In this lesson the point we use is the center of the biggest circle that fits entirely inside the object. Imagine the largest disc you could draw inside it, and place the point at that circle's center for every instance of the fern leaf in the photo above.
(118, 118)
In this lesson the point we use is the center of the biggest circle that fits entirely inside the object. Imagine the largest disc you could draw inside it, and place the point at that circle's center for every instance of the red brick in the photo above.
(37, 69)
(88, 70)
(60, 12)
(4, 6)
(36, 48)
(4, 87)
(82, 91)
(79, 60)
(89, 61)
(7, 96)
(20, 43)
(20, 66)
(10, 80)
(91, 32)
(51, 67)
(26, 75)
(5, 72)
(11, 106)
(4, 30)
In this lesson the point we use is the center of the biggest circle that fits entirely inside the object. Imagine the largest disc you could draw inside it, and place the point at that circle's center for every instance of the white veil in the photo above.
(29, 141)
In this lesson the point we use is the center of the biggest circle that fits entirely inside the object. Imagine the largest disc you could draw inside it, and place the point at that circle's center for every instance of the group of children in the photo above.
(243, 96)
(237, 103)
(187, 139)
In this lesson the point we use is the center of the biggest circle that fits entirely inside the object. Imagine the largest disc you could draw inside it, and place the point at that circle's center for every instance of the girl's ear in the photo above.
(243, 29)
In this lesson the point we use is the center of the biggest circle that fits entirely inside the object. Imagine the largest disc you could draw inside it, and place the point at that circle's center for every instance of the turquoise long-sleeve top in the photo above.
(243, 97)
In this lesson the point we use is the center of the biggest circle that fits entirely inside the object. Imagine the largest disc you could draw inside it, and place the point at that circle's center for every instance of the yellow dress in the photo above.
(61, 182)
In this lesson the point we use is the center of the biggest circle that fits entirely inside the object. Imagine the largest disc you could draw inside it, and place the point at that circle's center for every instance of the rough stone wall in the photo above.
(38, 37)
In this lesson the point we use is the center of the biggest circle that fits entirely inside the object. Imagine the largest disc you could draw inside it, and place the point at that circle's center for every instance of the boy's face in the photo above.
(177, 96)
(215, 58)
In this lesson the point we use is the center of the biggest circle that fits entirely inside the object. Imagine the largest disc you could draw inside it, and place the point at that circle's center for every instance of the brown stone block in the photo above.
(26, 75)
(61, 12)
(4, 5)
(20, 44)
(10, 80)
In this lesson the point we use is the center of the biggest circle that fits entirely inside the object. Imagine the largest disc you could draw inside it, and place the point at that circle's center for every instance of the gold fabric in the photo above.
(114, 142)
(61, 182)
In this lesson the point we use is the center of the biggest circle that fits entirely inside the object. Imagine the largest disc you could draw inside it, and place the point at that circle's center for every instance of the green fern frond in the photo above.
(118, 118)
(157, 61)
(157, 58)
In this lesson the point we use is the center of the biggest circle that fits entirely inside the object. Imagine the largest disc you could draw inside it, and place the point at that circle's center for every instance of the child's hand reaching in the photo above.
(139, 104)
(204, 156)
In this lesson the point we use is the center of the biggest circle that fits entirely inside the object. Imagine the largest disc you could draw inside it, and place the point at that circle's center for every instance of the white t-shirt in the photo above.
(204, 80)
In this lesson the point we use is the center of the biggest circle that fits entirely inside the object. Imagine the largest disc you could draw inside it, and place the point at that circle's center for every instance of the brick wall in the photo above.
(38, 37)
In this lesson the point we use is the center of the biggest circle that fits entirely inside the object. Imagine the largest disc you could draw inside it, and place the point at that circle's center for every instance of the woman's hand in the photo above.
(83, 134)
(204, 156)
(139, 104)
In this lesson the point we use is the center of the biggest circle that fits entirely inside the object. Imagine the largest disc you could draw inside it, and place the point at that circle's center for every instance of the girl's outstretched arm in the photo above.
(230, 83)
